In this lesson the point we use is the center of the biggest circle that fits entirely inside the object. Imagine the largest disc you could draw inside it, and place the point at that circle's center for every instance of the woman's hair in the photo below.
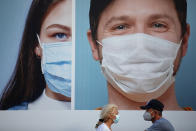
(106, 111)
(27, 82)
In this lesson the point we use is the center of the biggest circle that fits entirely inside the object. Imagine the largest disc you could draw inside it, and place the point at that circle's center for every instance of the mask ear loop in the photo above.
(181, 41)
(99, 43)
(42, 59)
(39, 40)
(180, 44)
(102, 46)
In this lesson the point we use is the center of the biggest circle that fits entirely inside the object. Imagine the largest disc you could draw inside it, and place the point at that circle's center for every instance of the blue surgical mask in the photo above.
(56, 66)
(117, 119)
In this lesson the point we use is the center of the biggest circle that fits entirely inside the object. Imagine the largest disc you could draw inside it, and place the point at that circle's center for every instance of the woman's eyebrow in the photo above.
(59, 26)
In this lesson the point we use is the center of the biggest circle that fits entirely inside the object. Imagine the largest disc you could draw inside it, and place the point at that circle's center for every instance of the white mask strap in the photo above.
(39, 40)
(42, 57)
(181, 41)
(99, 42)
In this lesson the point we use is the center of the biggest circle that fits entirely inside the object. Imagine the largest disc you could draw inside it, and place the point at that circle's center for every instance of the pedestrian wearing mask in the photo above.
(154, 109)
(109, 115)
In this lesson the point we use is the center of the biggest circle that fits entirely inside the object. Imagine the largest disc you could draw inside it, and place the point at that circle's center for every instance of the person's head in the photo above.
(109, 113)
(56, 29)
(52, 21)
(165, 19)
(154, 109)
(139, 44)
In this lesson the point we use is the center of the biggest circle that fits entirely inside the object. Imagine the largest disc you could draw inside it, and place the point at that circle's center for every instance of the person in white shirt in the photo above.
(109, 115)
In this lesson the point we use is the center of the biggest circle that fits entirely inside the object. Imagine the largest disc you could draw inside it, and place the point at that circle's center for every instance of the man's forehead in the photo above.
(120, 8)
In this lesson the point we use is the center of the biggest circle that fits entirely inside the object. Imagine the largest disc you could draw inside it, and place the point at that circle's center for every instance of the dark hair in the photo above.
(99, 123)
(27, 82)
(98, 6)
(96, 9)
(181, 8)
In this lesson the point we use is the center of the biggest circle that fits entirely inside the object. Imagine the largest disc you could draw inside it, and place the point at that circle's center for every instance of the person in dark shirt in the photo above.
(154, 109)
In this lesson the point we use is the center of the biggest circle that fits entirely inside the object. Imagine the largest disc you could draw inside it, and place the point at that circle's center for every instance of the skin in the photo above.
(154, 17)
(56, 27)
(112, 117)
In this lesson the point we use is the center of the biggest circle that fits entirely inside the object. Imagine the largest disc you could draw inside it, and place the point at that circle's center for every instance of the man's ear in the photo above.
(94, 47)
(38, 51)
(185, 40)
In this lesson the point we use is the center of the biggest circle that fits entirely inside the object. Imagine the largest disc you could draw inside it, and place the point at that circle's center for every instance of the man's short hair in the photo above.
(98, 6)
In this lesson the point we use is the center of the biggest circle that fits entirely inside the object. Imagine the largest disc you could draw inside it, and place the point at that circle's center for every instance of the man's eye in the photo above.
(158, 25)
(120, 27)
(60, 36)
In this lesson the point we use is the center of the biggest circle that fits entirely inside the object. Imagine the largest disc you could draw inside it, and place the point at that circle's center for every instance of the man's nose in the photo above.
(140, 28)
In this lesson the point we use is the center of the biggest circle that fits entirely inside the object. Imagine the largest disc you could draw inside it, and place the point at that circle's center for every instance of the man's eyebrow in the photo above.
(58, 26)
(115, 18)
(128, 18)
(159, 16)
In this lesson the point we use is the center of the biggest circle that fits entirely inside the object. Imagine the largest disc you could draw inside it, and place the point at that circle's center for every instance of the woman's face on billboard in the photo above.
(57, 25)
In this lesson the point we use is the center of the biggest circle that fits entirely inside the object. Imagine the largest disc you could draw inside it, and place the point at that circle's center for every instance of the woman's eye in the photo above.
(60, 36)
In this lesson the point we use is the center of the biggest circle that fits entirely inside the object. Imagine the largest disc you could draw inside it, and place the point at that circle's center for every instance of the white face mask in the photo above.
(147, 116)
(139, 66)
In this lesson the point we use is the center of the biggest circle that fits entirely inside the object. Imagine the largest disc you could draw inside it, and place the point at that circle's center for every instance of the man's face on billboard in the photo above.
(158, 18)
